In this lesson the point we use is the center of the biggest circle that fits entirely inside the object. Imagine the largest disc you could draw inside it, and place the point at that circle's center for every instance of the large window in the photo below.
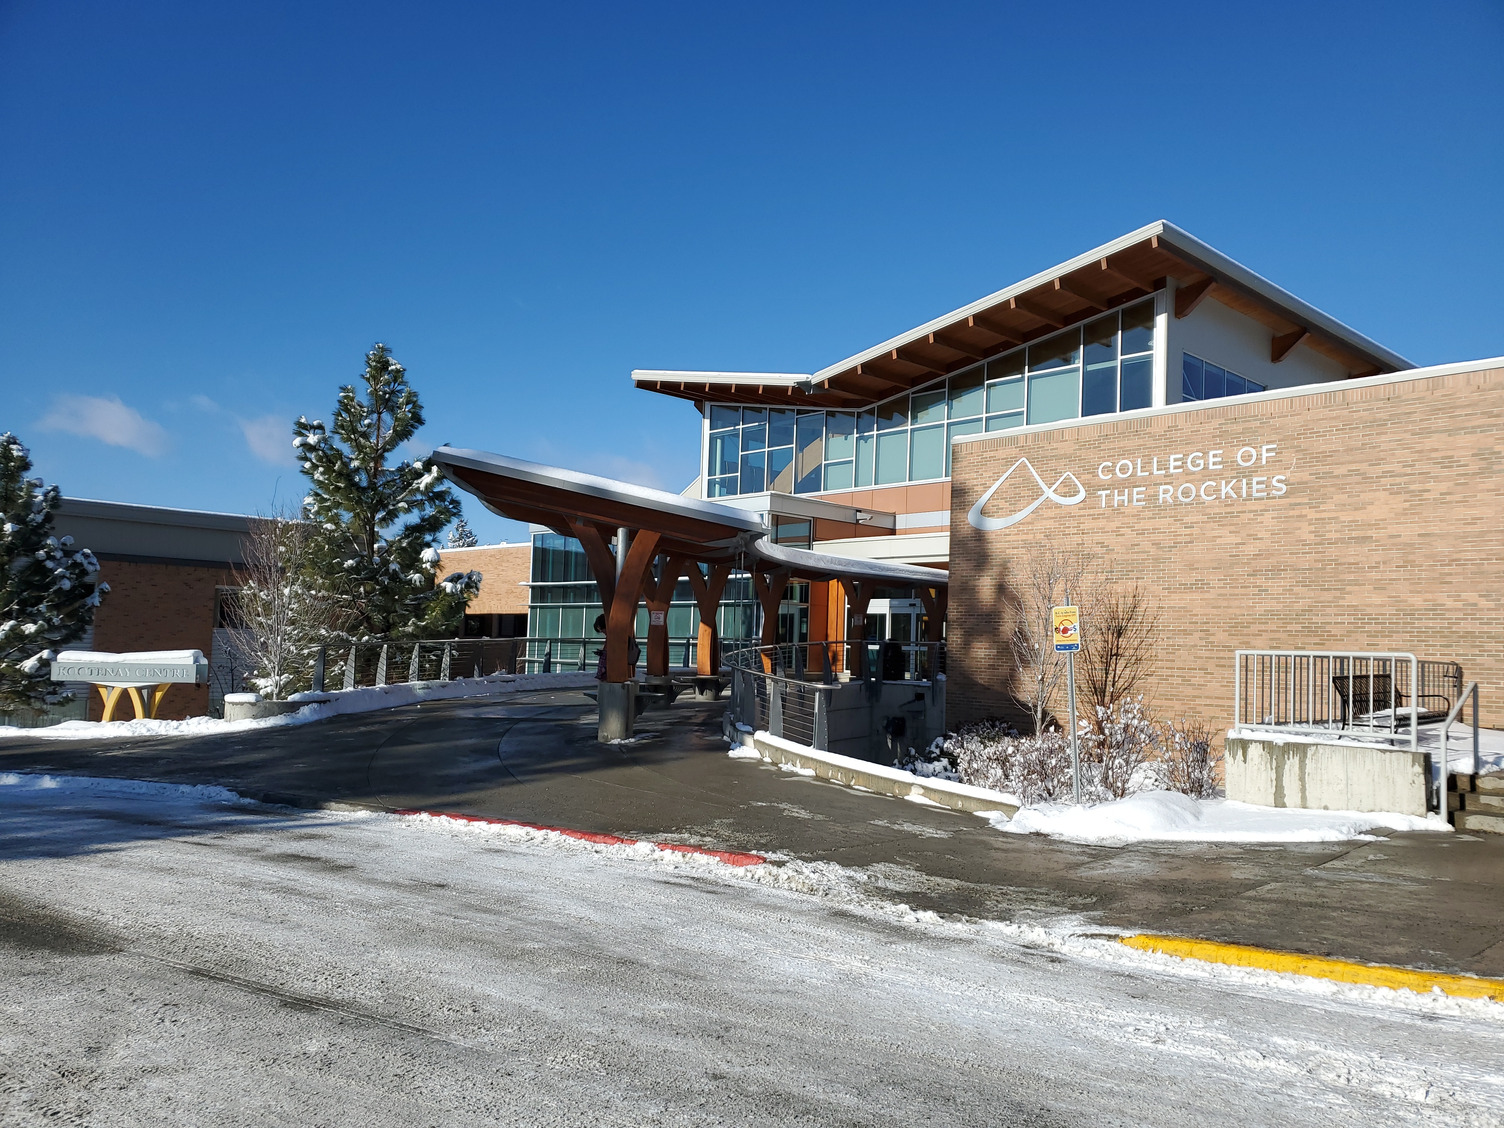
(1104, 366)
(1203, 380)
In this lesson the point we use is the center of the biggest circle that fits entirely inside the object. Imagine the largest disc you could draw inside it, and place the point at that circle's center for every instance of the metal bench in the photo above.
(1368, 698)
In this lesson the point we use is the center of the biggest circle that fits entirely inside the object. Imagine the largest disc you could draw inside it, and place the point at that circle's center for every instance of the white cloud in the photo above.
(269, 437)
(107, 419)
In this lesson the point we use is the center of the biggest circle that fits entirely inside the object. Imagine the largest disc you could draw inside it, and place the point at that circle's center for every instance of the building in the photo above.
(855, 460)
(170, 573)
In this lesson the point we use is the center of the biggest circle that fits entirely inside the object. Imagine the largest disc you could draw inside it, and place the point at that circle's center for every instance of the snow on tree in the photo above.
(286, 607)
(377, 517)
(48, 588)
(460, 535)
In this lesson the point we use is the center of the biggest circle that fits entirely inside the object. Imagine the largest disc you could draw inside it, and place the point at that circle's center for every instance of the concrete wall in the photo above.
(1290, 772)
(1235, 341)
(860, 711)
(506, 567)
(1369, 520)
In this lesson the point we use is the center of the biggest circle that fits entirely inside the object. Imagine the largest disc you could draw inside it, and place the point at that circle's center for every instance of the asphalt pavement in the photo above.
(1421, 900)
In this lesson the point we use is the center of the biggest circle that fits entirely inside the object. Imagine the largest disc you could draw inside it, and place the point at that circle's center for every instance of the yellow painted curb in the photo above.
(1342, 971)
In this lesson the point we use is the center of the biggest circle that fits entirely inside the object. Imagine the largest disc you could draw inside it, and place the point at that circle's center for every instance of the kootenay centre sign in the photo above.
(1197, 477)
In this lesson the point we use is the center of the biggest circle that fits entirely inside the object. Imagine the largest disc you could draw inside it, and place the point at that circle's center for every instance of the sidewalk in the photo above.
(1423, 900)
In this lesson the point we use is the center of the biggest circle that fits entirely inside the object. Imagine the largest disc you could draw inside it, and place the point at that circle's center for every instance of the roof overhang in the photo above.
(1134, 266)
(692, 529)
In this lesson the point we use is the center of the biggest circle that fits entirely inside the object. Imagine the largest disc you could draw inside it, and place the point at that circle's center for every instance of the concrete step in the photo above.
(1482, 801)
(1478, 821)
(1494, 782)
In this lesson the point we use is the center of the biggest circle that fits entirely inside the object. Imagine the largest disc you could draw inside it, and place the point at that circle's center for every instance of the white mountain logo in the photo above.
(1047, 493)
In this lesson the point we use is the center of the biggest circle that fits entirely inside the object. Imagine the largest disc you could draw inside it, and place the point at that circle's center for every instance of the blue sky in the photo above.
(209, 211)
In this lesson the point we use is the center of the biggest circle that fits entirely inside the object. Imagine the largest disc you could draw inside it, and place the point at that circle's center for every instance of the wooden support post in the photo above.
(708, 590)
(660, 593)
(935, 603)
(770, 587)
(858, 596)
(621, 616)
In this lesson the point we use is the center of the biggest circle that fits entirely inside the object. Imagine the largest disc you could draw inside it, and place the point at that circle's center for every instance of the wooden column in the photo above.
(936, 601)
(621, 586)
(770, 587)
(708, 590)
(660, 593)
(858, 596)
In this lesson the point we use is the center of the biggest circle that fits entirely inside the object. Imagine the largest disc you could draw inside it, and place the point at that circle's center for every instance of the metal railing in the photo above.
(1376, 695)
(542, 655)
(886, 660)
(786, 689)
(1445, 759)
(358, 664)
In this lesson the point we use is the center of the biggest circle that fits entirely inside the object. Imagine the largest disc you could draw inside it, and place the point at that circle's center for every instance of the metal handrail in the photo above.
(1285, 691)
(819, 658)
(1444, 761)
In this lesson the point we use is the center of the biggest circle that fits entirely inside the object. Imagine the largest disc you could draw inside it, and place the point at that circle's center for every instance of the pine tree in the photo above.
(460, 535)
(378, 518)
(48, 589)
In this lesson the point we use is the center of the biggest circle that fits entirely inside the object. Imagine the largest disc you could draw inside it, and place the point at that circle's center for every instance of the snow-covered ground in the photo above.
(174, 955)
(331, 704)
(1167, 816)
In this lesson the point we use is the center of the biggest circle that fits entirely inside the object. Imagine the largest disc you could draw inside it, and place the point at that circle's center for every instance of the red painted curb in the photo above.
(730, 857)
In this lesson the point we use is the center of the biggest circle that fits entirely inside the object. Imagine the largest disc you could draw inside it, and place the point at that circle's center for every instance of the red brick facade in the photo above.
(1367, 515)
(159, 607)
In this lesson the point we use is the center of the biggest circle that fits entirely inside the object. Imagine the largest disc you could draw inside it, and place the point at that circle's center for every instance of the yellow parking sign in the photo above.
(1067, 629)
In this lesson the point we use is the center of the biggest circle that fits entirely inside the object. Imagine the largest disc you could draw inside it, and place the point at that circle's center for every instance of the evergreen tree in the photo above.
(48, 589)
(460, 535)
(378, 517)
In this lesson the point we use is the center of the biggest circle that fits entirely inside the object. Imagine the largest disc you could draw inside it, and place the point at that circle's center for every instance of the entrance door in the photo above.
(901, 622)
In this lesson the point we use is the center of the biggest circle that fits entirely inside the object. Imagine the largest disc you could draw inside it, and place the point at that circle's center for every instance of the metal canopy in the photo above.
(701, 531)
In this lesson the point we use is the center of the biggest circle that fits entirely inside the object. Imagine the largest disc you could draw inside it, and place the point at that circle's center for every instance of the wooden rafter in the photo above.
(975, 352)
(1280, 346)
(1064, 286)
(996, 328)
(1035, 309)
(1146, 285)
(1187, 298)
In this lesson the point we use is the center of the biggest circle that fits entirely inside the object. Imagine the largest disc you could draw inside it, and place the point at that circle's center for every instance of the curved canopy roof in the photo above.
(688, 527)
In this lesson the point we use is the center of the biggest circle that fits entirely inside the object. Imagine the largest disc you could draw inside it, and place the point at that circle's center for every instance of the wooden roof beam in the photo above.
(1187, 298)
(1283, 343)
(976, 352)
(1034, 309)
(884, 382)
(1064, 287)
(1145, 284)
(906, 354)
(996, 328)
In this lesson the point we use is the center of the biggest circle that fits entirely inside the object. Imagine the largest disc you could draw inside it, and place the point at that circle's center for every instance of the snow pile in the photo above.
(101, 787)
(322, 705)
(1166, 816)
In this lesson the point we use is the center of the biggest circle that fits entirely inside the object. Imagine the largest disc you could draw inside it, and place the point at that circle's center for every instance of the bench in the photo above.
(1366, 698)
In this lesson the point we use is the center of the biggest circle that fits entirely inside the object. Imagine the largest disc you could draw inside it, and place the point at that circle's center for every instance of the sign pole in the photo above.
(1066, 622)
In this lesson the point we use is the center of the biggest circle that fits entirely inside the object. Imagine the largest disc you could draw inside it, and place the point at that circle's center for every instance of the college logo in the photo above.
(1047, 493)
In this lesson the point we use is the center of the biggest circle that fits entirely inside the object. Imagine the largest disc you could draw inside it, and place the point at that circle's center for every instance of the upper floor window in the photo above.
(1203, 380)
(1104, 366)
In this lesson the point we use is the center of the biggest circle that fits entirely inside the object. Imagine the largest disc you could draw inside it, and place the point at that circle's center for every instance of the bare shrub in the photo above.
(1191, 763)
(1036, 768)
(1045, 581)
(1119, 629)
(1119, 747)
(287, 610)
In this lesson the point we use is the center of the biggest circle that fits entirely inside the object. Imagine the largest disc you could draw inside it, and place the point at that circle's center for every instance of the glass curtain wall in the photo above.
(564, 603)
(1203, 380)
(1101, 367)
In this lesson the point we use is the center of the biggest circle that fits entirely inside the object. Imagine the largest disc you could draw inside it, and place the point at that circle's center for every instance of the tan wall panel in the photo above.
(505, 568)
(1389, 534)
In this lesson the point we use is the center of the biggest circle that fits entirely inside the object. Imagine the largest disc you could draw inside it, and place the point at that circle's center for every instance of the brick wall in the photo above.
(158, 607)
(1370, 517)
(505, 568)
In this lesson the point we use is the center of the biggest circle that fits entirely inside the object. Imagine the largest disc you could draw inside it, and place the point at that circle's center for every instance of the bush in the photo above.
(1127, 752)
(1191, 762)
(935, 762)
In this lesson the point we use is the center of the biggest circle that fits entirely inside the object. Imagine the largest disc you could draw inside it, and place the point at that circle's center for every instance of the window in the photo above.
(1203, 380)
(1102, 367)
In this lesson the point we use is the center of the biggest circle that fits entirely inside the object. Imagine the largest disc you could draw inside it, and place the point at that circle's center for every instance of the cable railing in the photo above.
(886, 659)
(787, 689)
(1383, 696)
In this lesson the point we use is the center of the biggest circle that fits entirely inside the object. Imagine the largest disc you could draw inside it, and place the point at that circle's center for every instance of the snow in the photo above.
(321, 706)
(147, 656)
(1166, 816)
(631, 985)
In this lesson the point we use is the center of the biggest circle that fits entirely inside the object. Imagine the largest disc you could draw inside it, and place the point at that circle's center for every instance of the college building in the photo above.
(1268, 476)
